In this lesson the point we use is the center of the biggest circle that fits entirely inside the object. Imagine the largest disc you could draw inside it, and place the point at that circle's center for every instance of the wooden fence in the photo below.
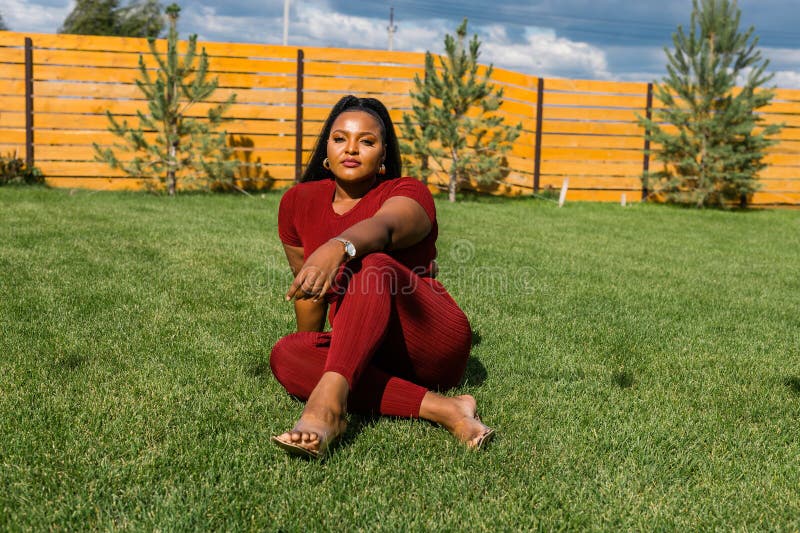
(55, 89)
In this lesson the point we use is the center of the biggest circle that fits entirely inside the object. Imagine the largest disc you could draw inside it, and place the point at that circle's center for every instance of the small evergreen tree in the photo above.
(184, 147)
(442, 129)
(709, 135)
(141, 18)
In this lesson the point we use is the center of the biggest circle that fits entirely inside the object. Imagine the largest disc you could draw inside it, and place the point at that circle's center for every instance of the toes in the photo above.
(310, 438)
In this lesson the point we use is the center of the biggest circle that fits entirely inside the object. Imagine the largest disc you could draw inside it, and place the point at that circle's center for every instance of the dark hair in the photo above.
(315, 171)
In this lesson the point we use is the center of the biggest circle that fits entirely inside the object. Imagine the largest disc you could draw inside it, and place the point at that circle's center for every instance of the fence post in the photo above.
(646, 161)
(29, 158)
(298, 145)
(537, 153)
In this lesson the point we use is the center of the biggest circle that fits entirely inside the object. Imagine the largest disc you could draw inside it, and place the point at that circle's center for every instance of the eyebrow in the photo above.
(359, 133)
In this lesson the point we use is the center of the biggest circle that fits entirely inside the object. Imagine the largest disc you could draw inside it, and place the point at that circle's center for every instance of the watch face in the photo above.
(350, 249)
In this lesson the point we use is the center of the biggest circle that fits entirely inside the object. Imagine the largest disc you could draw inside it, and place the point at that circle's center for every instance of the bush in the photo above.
(14, 171)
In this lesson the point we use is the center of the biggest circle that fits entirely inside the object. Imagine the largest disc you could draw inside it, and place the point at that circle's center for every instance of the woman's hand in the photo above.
(316, 275)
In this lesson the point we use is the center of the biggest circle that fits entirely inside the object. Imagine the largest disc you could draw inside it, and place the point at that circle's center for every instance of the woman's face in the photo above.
(355, 148)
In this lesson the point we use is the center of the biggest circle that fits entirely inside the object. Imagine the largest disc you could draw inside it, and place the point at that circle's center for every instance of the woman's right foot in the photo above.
(322, 421)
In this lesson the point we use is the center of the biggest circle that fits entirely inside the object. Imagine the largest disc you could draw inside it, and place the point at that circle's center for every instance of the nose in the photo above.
(352, 146)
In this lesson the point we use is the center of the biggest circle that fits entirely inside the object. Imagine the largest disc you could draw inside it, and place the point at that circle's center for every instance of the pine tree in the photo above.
(708, 133)
(441, 128)
(184, 147)
(107, 17)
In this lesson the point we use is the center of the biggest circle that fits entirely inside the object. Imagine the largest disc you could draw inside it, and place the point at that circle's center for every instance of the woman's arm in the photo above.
(310, 314)
(399, 223)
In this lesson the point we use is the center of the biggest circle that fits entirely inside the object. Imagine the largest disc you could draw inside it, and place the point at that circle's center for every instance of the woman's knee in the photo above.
(285, 353)
(279, 357)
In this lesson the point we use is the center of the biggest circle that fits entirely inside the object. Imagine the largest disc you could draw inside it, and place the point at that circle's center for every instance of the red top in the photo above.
(306, 217)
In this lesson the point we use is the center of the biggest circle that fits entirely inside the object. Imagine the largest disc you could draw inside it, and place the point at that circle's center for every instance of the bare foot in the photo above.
(322, 421)
(459, 415)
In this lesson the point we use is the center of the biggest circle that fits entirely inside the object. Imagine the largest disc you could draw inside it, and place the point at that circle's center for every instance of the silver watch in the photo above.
(349, 249)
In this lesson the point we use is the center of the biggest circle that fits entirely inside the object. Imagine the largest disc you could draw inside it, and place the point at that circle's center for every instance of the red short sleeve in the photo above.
(287, 231)
(416, 190)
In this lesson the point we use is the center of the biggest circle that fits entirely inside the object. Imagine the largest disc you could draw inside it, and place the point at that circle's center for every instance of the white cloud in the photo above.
(787, 79)
(545, 54)
(209, 26)
(318, 25)
(26, 16)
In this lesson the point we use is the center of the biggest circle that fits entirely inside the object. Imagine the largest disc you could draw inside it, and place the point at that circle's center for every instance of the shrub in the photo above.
(13, 170)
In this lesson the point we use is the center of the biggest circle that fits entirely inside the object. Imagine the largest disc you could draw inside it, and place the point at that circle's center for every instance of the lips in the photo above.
(350, 163)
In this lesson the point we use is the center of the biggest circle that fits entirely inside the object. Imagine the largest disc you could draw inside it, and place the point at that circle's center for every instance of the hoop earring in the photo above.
(382, 170)
(326, 164)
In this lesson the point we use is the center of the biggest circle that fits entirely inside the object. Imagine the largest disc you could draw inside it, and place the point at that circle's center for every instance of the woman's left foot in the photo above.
(459, 415)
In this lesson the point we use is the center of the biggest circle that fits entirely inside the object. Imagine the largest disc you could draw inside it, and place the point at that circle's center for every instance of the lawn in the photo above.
(641, 366)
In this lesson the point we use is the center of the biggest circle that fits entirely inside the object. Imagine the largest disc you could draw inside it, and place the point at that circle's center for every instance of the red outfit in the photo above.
(395, 330)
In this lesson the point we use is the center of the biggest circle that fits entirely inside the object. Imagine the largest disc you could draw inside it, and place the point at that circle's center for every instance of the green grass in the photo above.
(641, 366)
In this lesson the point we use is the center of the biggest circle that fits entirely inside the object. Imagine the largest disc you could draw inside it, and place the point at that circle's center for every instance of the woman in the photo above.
(361, 238)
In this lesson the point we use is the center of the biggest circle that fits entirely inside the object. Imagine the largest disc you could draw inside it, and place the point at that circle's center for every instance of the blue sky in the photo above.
(613, 39)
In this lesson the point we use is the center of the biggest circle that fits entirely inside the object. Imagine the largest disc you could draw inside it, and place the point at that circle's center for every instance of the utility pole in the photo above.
(391, 28)
(286, 22)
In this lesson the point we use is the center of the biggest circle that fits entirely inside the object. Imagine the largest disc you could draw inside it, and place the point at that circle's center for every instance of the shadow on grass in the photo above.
(69, 361)
(475, 373)
(258, 369)
(793, 383)
(623, 378)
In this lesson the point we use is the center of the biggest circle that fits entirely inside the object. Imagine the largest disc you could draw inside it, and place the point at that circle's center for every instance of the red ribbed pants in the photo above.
(394, 336)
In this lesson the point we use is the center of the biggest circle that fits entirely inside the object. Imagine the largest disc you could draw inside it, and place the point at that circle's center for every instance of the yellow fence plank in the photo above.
(592, 182)
(607, 168)
(75, 140)
(638, 103)
(12, 71)
(589, 154)
(787, 120)
(519, 94)
(395, 102)
(787, 94)
(128, 61)
(500, 75)
(11, 55)
(12, 87)
(783, 159)
(125, 90)
(83, 125)
(129, 107)
(8, 136)
(341, 70)
(575, 113)
(791, 185)
(593, 86)
(598, 195)
(592, 141)
(593, 128)
(100, 74)
(12, 120)
(357, 85)
(351, 55)
(137, 45)
(776, 198)
(776, 172)
(48, 154)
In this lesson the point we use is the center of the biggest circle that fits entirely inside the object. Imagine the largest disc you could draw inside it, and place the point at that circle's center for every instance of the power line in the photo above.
(626, 29)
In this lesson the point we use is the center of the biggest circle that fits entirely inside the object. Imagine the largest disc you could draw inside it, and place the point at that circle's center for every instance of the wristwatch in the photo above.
(349, 249)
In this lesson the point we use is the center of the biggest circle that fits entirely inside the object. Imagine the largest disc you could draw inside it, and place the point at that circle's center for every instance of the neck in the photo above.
(353, 191)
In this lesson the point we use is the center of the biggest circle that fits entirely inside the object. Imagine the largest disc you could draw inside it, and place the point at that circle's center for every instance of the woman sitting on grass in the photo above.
(363, 239)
